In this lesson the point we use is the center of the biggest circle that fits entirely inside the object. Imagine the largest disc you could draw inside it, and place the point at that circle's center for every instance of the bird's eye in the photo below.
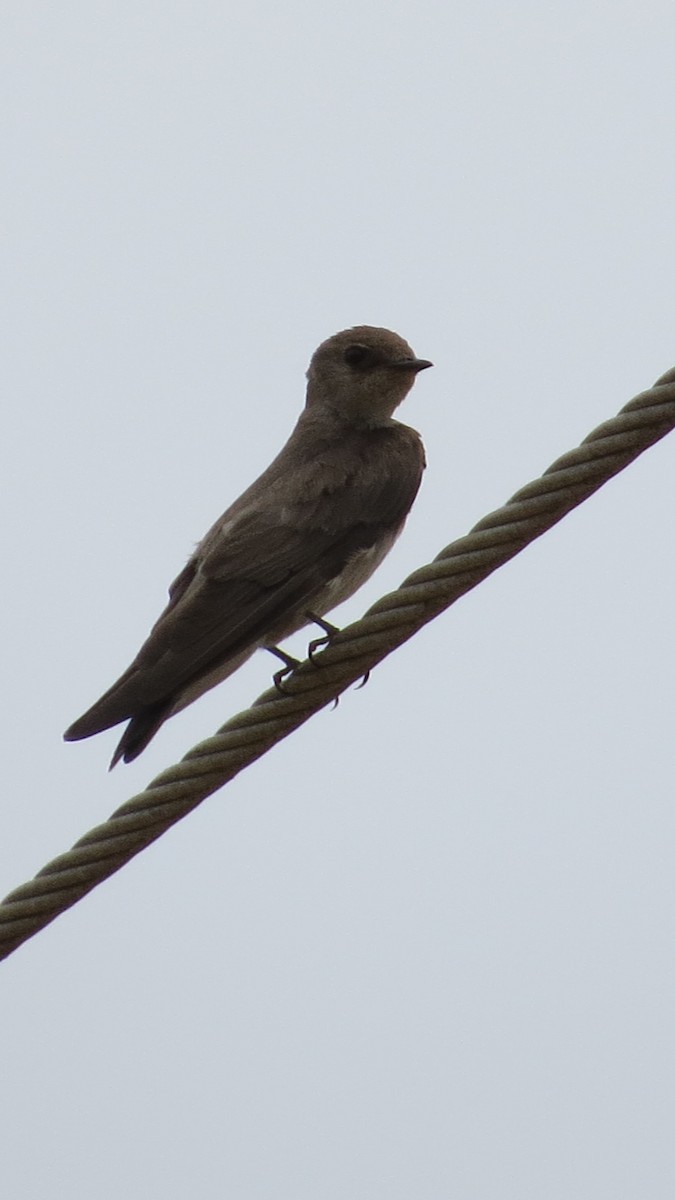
(360, 356)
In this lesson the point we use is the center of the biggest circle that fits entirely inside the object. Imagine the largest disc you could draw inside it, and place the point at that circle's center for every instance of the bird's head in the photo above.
(362, 374)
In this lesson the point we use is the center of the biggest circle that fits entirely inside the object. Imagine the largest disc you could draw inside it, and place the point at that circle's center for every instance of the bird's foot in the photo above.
(290, 663)
(318, 643)
(329, 632)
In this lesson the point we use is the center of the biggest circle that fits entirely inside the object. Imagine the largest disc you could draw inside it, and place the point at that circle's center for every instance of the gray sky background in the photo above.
(425, 947)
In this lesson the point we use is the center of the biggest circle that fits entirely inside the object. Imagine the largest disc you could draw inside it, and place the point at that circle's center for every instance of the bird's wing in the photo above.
(273, 560)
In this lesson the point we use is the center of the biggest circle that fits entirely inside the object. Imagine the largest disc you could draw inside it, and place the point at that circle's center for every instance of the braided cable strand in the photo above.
(351, 653)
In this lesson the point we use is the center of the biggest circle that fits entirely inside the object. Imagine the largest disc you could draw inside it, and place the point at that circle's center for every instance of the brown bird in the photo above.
(299, 541)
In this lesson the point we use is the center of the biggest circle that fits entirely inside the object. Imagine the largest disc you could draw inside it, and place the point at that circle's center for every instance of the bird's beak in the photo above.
(412, 364)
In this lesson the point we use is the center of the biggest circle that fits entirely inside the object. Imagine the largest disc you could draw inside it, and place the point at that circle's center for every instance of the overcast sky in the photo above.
(425, 947)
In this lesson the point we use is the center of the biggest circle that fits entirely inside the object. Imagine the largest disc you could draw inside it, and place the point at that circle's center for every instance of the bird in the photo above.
(300, 540)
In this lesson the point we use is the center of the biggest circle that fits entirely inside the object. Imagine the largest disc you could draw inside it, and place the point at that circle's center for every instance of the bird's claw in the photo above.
(316, 645)
(329, 633)
(278, 680)
(290, 663)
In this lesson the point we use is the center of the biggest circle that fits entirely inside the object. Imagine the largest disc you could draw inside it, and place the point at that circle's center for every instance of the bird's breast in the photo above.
(355, 572)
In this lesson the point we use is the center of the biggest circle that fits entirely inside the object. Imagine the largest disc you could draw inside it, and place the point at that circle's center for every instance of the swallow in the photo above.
(300, 540)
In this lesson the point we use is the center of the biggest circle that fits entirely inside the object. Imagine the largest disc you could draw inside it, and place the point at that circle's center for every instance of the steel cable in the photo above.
(348, 657)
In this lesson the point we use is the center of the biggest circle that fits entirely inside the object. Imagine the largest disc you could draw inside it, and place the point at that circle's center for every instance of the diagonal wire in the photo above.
(351, 654)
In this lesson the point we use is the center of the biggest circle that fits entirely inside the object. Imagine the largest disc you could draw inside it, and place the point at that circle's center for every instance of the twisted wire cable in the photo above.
(349, 655)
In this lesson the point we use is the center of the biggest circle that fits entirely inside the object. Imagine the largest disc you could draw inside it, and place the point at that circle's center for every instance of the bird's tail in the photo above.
(140, 730)
(118, 705)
